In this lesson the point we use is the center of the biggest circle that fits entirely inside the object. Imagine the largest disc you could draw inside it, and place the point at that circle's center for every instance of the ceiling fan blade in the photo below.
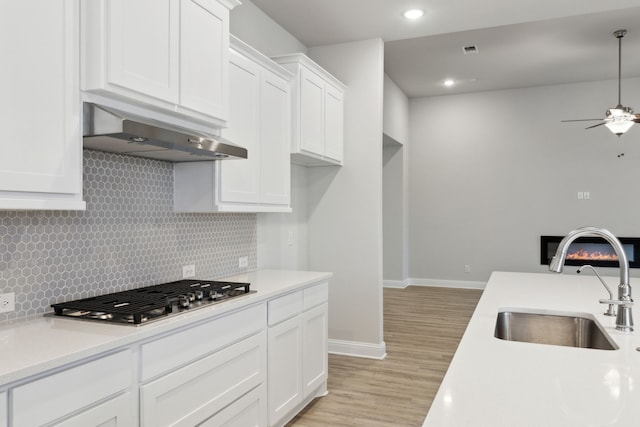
(580, 120)
(594, 126)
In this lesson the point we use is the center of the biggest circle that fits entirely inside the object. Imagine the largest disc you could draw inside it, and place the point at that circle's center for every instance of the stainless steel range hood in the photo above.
(117, 132)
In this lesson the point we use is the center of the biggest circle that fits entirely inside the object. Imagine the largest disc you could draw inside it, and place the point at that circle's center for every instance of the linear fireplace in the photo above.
(591, 250)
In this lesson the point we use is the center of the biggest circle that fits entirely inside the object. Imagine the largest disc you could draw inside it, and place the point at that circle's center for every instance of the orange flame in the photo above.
(582, 255)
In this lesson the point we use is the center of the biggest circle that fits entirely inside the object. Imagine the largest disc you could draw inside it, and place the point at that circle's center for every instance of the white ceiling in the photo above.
(521, 43)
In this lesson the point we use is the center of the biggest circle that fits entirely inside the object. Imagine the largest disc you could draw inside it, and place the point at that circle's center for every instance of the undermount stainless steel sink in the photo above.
(571, 330)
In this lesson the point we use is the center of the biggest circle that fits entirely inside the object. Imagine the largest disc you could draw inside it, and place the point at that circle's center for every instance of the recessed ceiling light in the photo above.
(449, 82)
(413, 13)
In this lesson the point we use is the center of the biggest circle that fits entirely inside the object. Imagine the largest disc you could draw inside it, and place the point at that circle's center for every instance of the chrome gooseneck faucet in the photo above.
(624, 320)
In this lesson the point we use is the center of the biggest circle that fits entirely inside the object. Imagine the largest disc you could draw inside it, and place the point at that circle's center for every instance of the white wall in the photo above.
(345, 203)
(396, 112)
(491, 172)
(254, 27)
(395, 185)
(282, 238)
(393, 213)
(336, 223)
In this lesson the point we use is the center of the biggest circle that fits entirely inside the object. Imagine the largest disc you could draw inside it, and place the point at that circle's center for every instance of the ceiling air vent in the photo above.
(469, 49)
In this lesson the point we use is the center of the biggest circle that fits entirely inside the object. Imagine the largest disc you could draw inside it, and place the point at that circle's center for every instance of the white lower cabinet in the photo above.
(195, 393)
(285, 368)
(297, 351)
(315, 348)
(77, 392)
(258, 365)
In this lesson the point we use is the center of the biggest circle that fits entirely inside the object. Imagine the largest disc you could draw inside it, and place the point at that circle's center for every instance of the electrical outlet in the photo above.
(243, 262)
(188, 271)
(7, 302)
(467, 268)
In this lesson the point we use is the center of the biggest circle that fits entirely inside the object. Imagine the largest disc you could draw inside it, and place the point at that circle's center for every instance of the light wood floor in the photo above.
(422, 329)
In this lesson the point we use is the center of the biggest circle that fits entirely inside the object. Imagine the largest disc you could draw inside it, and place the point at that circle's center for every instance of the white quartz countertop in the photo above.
(29, 347)
(492, 382)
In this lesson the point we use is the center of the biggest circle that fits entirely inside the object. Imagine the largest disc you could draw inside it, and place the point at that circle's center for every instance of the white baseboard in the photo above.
(464, 284)
(358, 349)
(401, 284)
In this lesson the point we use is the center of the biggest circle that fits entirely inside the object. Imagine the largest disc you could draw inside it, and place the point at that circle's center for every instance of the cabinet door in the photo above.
(284, 368)
(117, 412)
(41, 145)
(334, 126)
(311, 112)
(239, 179)
(314, 348)
(143, 42)
(275, 143)
(204, 55)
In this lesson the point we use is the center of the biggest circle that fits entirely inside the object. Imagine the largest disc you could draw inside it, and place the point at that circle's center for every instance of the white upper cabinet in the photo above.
(260, 121)
(318, 113)
(241, 179)
(41, 143)
(164, 55)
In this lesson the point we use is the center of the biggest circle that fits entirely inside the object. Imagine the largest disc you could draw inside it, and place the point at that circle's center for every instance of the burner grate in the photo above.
(138, 305)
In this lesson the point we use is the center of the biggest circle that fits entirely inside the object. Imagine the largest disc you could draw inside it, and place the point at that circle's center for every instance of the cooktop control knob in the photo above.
(191, 296)
(199, 294)
(215, 296)
(183, 301)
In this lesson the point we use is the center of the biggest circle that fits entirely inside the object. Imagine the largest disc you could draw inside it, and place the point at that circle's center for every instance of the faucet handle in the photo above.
(616, 302)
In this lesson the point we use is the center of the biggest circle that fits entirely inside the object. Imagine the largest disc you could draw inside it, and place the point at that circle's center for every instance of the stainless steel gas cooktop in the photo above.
(143, 305)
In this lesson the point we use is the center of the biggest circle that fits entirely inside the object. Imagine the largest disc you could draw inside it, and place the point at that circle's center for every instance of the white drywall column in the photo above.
(282, 237)
(395, 186)
(345, 203)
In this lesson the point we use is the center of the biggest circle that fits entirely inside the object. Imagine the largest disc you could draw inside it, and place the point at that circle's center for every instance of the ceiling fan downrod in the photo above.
(619, 34)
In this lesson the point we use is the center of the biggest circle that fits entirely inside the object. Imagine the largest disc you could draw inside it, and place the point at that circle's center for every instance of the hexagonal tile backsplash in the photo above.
(128, 237)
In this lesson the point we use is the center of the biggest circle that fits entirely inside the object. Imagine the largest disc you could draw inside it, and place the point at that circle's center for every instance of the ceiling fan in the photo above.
(620, 118)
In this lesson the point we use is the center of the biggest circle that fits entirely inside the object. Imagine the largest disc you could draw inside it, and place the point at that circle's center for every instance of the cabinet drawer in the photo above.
(55, 396)
(117, 412)
(315, 295)
(187, 345)
(248, 411)
(191, 395)
(285, 307)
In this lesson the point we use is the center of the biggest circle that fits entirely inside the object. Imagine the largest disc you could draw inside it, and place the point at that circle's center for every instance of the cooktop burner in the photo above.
(142, 305)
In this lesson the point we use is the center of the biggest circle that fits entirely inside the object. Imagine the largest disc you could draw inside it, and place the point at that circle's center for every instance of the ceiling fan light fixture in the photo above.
(619, 127)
